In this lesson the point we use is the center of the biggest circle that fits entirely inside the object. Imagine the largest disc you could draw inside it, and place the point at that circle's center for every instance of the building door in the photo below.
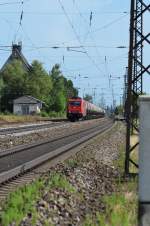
(25, 109)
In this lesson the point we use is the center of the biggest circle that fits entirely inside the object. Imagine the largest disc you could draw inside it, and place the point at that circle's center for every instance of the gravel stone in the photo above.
(93, 175)
(8, 141)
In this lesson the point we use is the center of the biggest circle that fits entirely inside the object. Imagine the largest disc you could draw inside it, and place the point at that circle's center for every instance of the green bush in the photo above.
(54, 114)
(44, 114)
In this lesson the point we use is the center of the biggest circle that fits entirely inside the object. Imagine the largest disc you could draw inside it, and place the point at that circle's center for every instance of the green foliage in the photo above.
(15, 84)
(60, 181)
(1, 86)
(20, 203)
(119, 203)
(53, 89)
(23, 201)
(62, 90)
(117, 211)
(54, 114)
(89, 221)
(72, 163)
(44, 114)
(119, 162)
(119, 110)
(88, 98)
(39, 82)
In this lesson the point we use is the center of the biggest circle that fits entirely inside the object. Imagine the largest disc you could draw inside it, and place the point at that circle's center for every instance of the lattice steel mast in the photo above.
(136, 70)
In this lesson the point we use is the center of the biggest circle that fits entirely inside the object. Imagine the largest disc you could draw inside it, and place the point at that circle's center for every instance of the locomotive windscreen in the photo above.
(75, 103)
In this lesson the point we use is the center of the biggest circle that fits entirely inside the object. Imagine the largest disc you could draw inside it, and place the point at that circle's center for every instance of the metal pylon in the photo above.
(136, 70)
(125, 91)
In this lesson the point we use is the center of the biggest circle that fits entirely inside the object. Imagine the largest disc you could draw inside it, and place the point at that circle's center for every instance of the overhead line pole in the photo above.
(125, 91)
(136, 70)
(130, 68)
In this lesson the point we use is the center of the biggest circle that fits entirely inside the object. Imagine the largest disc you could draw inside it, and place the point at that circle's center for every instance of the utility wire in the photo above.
(32, 43)
(10, 3)
(80, 46)
(91, 16)
(57, 13)
(78, 38)
(103, 27)
(20, 21)
(86, 22)
(109, 24)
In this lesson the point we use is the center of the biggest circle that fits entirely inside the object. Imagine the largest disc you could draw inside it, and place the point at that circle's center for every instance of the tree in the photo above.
(88, 98)
(119, 110)
(70, 90)
(53, 88)
(1, 92)
(39, 82)
(1, 86)
(57, 93)
(15, 83)
(62, 89)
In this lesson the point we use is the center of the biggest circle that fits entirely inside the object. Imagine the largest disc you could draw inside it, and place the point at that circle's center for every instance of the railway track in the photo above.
(16, 162)
(27, 128)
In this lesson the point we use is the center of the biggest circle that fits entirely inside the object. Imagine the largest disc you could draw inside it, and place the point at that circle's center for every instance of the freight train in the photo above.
(78, 108)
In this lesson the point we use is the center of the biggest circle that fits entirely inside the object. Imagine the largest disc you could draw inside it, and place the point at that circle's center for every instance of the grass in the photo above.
(117, 208)
(121, 209)
(22, 202)
(122, 206)
(29, 118)
(60, 181)
(72, 163)
(15, 118)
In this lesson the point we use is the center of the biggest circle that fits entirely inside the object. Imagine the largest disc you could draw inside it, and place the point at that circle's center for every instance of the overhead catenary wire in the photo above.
(79, 13)
(85, 46)
(79, 46)
(90, 33)
(104, 26)
(92, 38)
(86, 22)
(78, 38)
(109, 24)
(10, 3)
(34, 13)
(20, 21)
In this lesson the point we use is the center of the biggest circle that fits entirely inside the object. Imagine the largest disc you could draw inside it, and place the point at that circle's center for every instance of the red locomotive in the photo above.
(78, 108)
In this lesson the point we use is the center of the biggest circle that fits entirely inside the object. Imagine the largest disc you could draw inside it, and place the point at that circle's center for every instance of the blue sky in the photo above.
(66, 23)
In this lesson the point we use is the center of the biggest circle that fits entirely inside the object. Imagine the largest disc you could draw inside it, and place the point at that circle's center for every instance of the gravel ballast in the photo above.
(91, 173)
(8, 141)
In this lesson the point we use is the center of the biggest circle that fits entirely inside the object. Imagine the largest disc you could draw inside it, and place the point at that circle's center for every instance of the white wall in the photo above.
(33, 108)
(17, 109)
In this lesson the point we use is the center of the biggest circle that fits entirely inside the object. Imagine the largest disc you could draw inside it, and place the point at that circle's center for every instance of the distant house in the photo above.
(27, 105)
(17, 55)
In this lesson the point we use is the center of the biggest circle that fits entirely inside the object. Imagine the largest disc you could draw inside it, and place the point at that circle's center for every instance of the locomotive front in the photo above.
(75, 109)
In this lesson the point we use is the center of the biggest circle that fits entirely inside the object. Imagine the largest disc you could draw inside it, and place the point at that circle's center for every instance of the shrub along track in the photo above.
(19, 160)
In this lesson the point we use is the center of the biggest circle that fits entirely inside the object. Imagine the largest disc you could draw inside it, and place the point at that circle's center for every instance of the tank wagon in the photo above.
(78, 108)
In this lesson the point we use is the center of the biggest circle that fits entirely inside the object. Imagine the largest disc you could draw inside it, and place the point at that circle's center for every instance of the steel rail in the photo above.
(35, 156)
(24, 147)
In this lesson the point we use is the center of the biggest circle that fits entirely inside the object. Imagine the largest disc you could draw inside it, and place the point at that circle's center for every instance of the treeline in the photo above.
(52, 88)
